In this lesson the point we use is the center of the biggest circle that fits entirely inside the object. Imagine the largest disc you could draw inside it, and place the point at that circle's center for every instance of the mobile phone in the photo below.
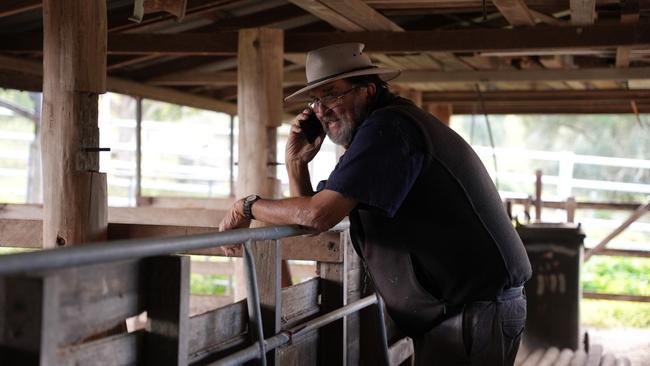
(311, 128)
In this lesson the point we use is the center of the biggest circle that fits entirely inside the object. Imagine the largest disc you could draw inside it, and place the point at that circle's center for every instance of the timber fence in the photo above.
(68, 306)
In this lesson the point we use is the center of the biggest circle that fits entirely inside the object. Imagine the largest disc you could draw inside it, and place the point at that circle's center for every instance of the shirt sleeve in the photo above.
(382, 163)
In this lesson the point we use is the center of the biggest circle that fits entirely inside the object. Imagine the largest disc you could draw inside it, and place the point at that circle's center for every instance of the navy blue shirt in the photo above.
(381, 165)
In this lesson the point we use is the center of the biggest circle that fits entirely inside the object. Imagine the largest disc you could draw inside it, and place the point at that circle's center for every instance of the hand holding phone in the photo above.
(311, 128)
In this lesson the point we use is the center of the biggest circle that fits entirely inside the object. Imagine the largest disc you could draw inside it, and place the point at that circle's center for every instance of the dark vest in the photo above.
(450, 243)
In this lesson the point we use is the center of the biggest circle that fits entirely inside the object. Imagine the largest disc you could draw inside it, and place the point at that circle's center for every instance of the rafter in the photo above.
(515, 11)
(128, 87)
(14, 7)
(349, 15)
(556, 39)
(583, 12)
(418, 77)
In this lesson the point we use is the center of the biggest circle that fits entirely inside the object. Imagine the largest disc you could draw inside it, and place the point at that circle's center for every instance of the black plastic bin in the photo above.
(555, 252)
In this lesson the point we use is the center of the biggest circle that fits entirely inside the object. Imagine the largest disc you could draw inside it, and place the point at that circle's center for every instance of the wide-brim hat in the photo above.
(335, 62)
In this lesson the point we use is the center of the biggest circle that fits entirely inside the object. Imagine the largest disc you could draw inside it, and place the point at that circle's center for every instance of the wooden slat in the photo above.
(329, 16)
(95, 299)
(362, 14)
(583, 12)
(122, 349)
(550, 356)
(625, 253)
(533, 358)
(579, 358)
(400, 351)
(187, 202)
(641, 211)
(217, 330)
(168, 293)
(21, 233)
(515, 11)
(616, 297)
(299, 302)
(565, 358)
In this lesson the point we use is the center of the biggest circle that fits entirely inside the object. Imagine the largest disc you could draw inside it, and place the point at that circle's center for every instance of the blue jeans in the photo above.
(483, 333)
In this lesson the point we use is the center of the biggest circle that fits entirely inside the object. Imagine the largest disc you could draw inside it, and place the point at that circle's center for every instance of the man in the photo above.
(424, 214)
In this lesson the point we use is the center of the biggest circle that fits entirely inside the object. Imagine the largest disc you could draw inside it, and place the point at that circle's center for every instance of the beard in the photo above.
(347, 125)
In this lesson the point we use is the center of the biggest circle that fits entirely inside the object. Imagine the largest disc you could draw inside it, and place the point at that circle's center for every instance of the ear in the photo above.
(371, 89)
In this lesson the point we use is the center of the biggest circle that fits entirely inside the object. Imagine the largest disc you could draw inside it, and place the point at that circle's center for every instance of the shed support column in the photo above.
(74, 69)
(442, 111)
(260, 63)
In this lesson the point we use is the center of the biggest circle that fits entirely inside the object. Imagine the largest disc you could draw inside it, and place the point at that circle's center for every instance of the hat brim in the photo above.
(383, 73)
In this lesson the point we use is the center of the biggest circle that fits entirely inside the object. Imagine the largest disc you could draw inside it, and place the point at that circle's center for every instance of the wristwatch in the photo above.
(248, 205)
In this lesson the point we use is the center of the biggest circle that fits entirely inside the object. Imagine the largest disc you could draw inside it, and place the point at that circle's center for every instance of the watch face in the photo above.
(251, 198)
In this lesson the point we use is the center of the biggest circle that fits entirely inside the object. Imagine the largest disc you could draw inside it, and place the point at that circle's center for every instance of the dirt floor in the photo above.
(634, 343)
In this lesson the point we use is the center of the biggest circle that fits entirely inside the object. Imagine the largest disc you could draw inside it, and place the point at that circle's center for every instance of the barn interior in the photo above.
(125, 298)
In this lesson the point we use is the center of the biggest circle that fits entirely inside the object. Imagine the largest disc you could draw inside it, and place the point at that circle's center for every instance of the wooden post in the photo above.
(334, 290)
(74, 68)
(259, 74)
(441, 111)
(168, 312)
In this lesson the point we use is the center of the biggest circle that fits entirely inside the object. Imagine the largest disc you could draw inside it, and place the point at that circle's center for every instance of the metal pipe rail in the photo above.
(117, 250)
(253, 351)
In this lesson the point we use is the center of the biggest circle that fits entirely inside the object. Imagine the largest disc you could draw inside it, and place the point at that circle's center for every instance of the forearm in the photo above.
(319, 212)
(299, 179)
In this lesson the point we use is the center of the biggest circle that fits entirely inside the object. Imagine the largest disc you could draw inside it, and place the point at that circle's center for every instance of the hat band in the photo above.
(340, 73)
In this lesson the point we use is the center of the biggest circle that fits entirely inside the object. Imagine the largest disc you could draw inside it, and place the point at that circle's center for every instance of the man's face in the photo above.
(341, 119)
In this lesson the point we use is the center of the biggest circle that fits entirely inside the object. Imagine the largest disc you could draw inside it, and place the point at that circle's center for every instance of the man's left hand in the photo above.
(234, 219)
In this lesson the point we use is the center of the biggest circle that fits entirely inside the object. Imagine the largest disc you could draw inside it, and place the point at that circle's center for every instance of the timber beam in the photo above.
(228, 78)
(472, 40)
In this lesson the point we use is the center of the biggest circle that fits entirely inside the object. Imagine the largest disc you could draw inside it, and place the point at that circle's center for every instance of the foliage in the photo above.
(207, 284)
(615, 314)
(619, 275)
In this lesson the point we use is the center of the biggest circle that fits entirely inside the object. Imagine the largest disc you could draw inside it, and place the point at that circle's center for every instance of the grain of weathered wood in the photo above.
(218, 330)
(583, 12)
(400, 351)
(360, 13)
(118, 350)
(324, 247)
(168, 292)
(302, 351)
(30, 321)
(515, 11)
(326, 14)
(74, 65)
(299, 302)
(21, 233)
(333, 289)
(97, 298)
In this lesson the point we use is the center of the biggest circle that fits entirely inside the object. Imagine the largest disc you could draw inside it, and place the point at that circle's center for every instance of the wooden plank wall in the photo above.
(76, 316)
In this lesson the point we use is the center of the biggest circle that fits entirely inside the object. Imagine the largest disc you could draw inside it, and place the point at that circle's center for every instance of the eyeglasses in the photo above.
(331, 100)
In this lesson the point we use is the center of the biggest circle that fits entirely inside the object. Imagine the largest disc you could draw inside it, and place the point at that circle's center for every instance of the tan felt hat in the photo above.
(336, 62)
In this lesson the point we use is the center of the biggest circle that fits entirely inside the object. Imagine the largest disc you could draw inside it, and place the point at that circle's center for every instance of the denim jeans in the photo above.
(483, 333)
